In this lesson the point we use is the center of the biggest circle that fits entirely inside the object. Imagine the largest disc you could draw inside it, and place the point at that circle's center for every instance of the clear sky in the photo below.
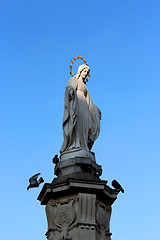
(120, 39)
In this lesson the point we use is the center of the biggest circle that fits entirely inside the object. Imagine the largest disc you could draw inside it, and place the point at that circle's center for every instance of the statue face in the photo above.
(84, 73)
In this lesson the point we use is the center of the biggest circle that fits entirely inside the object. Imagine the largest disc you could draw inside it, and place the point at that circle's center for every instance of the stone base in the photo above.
(77, 168)
(78, 152)
(78, 210)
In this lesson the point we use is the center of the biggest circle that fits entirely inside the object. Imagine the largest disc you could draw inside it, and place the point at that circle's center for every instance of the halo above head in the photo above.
(72, 61)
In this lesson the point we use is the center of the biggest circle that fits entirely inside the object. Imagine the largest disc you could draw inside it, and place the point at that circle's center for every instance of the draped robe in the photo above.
(81, 120)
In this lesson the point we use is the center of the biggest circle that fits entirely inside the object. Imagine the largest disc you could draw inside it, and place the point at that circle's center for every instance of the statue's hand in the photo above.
(71, 94)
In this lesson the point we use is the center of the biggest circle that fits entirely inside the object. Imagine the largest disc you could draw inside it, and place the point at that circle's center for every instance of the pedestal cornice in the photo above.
(50, 191)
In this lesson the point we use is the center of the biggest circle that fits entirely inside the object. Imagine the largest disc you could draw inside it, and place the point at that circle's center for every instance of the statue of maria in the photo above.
(81, 120)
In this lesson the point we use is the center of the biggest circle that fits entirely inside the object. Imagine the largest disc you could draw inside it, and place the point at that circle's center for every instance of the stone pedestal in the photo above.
(78, 203)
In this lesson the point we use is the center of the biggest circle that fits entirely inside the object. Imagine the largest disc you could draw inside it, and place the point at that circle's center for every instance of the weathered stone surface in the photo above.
(78, 210)
(81, 119)
(76, 168)
(78, 217)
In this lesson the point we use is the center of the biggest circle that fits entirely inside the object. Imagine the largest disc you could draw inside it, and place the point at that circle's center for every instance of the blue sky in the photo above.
(120, 41)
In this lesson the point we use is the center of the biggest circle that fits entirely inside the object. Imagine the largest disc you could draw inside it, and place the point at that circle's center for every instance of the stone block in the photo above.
(78, 210)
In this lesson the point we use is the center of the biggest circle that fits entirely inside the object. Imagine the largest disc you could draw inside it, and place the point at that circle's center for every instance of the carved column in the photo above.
(78, 209)
(78, 217)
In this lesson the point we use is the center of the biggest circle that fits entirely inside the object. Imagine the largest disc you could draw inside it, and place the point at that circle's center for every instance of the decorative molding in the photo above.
(103, 215)
(78, 217)
(87, 208)
(65, 214)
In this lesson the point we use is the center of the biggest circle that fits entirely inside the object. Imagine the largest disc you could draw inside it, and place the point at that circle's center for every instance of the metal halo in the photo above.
(72, 61)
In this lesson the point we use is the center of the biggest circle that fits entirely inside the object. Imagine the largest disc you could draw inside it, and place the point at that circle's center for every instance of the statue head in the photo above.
(83, 72)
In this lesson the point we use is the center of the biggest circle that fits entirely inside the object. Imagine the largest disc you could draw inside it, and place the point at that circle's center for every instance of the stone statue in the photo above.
(81, 120)
(78, 203)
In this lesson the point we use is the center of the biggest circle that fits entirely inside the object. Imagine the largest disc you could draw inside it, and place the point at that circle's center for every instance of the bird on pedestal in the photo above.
(117, 186)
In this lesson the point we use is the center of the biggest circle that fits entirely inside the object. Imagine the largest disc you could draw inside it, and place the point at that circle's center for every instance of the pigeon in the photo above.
(116, 185)
(55, 159)
(33, 181)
